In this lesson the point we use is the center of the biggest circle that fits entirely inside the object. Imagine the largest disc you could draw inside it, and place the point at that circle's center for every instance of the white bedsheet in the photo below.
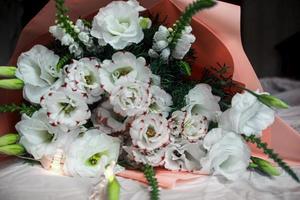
(19, 181)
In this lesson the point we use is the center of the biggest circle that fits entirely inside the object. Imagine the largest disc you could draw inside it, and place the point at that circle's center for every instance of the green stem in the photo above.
(271, 154)
(150, 176)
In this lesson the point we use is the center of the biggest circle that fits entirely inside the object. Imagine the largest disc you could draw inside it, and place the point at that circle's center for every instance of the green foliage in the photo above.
(152, 181)
(221, 83)
(63, 61)
(64, 21)
(186, 18)
(274, 156)
(22, 108)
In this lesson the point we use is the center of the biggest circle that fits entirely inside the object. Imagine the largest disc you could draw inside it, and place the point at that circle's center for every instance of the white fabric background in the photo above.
(20, 181)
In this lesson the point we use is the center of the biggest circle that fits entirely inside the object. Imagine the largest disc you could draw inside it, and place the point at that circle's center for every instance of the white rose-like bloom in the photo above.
(118, 25)
(247, 115)
(40, 138)
(37, 68)
(106, 120)
(136, 5)
(184, 156)
(154, 158)
(192, 127)
(124, 65)
(131, 98)
(184, 43)
(228, 155)
(201, 100)
(89, 154)
(160, 102)
(82, 77)
(149, 132)
(65, 109)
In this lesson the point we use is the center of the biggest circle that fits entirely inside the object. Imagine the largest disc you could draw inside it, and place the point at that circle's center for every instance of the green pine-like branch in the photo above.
(186, 18)
(22, 108)
(150, 176)
(274, 156)
(63, 61)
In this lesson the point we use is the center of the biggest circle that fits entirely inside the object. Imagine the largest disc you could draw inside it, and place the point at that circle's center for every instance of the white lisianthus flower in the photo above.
(37, 69)
(192, 127)
(184, 156)
(247, 115)
(82, 77)
(160, 102)
(228, 155)
(39, 138)
(107, 121)
(154, 158)
(184, 43)
(90, 153)
(131, 98)
(124, 65)
(118, 25)
(65, 109)
(149, 132)
(201, 100)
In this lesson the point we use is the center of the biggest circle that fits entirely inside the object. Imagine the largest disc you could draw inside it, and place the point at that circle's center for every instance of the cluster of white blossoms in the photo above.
(162, 39)
(89, 107)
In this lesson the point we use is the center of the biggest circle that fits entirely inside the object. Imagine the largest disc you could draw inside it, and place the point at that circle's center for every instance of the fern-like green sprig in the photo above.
(64, 21)
(22, 108)
(186, 18)
(150, 176)
(63, 61)
(274, 156)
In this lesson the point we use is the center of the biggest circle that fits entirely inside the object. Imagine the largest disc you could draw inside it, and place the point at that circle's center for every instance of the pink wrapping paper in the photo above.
(218, 40)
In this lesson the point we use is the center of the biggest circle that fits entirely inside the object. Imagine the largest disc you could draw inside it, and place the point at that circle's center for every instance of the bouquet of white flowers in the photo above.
(117, 89)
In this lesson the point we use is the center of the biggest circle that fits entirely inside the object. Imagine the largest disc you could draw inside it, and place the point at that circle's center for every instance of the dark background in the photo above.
(270, 32)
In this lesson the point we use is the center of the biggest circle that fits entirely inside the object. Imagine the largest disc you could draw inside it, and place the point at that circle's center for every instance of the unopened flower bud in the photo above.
(7, 71)
(11, 84)
(265, 166)
(272, 101)
(113, 188)
(10, 138)
(12, 150)
(145, 22)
